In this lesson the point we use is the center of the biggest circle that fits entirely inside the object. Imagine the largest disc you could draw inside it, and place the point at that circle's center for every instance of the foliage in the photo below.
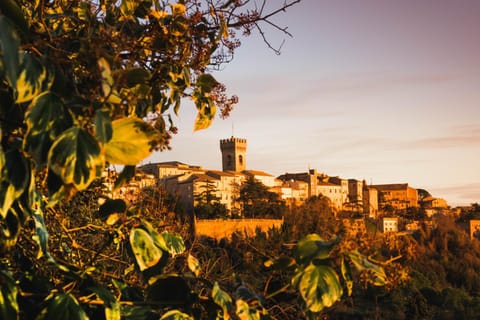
(211, 211)
(316, 216)
(84, 85)
(258, 201)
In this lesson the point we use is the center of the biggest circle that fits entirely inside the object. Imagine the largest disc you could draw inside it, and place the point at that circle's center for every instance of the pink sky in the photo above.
(386, 91)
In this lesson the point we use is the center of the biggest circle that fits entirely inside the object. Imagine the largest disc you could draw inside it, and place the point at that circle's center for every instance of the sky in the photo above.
(386, 91)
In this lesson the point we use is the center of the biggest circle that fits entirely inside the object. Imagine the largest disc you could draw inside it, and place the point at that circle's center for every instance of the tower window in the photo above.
(240, 159)
(229, 160)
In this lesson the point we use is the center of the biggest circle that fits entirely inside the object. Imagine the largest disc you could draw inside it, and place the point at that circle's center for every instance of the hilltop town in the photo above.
(348, 198)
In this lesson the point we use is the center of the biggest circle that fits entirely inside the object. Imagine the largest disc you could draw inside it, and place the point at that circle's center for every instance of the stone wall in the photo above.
(222, 228)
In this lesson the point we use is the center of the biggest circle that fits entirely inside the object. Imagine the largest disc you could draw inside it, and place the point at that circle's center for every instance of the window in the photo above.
(240, 159)
(229, 160)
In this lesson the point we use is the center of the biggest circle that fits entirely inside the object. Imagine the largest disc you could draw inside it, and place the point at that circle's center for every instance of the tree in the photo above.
(422, 194)
(316, 216)
(259, 202)
(208, 204)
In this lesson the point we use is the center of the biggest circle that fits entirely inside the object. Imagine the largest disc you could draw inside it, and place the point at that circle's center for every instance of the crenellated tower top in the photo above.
(234, 151)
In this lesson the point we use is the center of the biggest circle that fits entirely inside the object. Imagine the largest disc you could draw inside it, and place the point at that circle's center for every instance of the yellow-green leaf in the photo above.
(107, 82)
(146, 253)
(132, 141)
(222, 299)
(193, 265)
(202, 122)
(46, 118)
(76, 157)
(319, 286)
(34, 78)
(176, 315)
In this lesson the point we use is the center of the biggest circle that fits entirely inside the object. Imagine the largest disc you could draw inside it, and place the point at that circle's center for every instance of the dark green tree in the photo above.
(259, 202)
(207, 202)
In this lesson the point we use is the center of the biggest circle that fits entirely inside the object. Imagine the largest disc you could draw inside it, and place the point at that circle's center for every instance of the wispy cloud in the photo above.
(458, 136)
(464, 194)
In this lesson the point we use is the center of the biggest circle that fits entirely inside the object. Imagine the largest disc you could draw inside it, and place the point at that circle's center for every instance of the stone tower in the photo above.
(234, 152)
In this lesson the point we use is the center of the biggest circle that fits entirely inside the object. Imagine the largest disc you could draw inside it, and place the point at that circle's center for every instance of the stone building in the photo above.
(164, 170)
(370, 201)
(267, 179)
(334, 188)
(399, 196)
(234, 151)
(355, 191)
(390, 224)
(474, 229)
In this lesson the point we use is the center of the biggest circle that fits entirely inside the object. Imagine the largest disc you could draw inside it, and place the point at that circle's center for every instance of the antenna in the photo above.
(233, 135)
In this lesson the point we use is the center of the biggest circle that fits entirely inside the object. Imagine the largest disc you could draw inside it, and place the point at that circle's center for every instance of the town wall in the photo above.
(224, 228)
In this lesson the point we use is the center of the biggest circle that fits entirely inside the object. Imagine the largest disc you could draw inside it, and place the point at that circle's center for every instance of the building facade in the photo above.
(398, 196)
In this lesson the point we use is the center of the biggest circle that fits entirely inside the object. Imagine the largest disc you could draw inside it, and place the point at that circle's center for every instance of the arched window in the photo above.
(240, 159)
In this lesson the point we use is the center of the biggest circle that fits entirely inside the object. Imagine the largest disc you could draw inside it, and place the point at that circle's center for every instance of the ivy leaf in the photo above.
(107, 82)
(46, 118)
(247, 312)
(222, 299)
(41, 232)
(363, 264)
(146, 253)
(204, 118)
(10, 44)
(8, 296)
(103, 126)
(176, 315)
(318, 285)
(193, 265)
(76, 158)
(175, 244)
(314, 247)
(34, 78)
(63, 306)
(158, 239)
(112, 307)
(138, 313)
(131, 142)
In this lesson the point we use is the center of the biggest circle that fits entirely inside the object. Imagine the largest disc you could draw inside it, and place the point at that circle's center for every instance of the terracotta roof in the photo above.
(170, 164)
(324, 183)
(393, 186)
(256, 173)
(221, 173)
(198, 177)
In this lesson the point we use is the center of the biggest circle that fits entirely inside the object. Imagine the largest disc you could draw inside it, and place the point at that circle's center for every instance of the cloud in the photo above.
(460, 136)
(463, 194)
